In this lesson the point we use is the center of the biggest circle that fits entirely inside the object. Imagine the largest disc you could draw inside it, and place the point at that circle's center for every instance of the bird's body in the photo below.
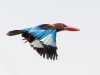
(43, 38)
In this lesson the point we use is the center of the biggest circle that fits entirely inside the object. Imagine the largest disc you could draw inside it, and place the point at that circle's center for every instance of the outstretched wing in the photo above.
(43, 40)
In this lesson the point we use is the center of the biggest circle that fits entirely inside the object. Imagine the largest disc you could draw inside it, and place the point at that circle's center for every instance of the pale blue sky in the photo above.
(79, 52)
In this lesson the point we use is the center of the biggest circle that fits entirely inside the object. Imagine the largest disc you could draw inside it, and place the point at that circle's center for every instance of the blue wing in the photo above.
(45, 40)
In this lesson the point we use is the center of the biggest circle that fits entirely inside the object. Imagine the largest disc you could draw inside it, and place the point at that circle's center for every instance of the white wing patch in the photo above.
(48, 40)
(37, 44)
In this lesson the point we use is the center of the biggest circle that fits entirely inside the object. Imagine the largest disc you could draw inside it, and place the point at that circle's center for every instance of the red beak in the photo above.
(71, 28)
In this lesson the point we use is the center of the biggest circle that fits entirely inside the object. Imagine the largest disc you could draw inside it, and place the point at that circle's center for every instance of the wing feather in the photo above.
(44, 42)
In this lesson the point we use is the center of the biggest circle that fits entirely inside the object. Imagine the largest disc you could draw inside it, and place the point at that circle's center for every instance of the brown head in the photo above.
(61, 26)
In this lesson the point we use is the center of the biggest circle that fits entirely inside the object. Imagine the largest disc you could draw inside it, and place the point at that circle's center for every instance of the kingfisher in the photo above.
(42, 38)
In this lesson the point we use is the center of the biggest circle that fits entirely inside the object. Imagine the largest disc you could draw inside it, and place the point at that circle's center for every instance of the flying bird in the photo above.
(43, 38)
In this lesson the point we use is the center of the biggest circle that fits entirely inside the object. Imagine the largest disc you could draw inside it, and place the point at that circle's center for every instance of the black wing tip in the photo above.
(46, 55)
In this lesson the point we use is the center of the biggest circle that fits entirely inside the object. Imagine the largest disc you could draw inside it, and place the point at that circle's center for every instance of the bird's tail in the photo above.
(14, 32)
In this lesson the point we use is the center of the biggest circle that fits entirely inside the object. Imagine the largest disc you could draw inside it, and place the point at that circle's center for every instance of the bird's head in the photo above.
(61, 26)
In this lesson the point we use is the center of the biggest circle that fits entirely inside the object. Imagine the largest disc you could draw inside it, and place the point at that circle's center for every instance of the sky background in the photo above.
(79, 52)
